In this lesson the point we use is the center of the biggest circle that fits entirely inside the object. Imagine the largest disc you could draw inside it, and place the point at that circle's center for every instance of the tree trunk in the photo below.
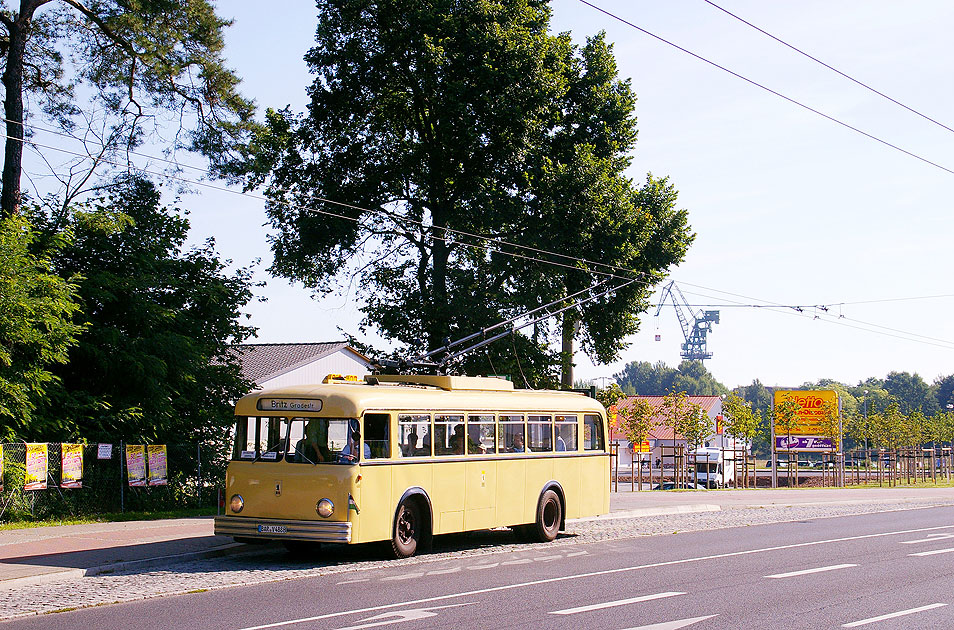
(13, 110)
(571, 325)
(439, 255)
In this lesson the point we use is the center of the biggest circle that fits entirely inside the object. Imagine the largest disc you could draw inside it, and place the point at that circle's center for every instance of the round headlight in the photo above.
(325, 508)
(236, 503)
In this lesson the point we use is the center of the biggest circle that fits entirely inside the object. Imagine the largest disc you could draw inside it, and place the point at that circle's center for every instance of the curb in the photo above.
(658, 511)
(145, 563)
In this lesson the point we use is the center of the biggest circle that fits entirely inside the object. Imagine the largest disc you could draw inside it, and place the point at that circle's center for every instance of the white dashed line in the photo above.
(932, 553)
(407, 576)
(613, 604)
(833, 567)
(478, 567)
(900, 613)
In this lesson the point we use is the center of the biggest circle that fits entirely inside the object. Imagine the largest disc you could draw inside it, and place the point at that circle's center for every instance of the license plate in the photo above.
(272, 529)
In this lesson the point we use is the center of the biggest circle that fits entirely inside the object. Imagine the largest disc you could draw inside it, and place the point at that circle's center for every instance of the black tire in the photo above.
(408, 529)
(549, 517)
(302, 548)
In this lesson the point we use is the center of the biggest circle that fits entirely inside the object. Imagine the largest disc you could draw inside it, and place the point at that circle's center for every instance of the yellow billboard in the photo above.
(812, 406)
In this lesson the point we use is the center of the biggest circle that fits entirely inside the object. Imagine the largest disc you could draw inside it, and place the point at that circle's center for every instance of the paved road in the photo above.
(879, 570)
(649, 518)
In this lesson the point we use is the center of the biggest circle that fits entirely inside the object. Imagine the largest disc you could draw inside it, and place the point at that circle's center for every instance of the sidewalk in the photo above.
(42, 554)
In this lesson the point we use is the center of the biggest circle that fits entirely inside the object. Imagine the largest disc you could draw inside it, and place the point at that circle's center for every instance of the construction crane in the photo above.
(694, 349)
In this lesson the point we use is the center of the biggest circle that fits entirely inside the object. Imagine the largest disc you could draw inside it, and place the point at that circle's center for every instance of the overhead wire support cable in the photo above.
(496, 242)
(513, 329)
(770, 90)
(832, 68)
(484, 331)
(492, 244)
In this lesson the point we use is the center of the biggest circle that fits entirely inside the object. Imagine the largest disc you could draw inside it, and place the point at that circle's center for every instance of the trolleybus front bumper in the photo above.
(277, 529)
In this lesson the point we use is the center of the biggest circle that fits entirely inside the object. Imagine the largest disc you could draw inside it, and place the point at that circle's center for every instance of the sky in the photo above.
(788, 207)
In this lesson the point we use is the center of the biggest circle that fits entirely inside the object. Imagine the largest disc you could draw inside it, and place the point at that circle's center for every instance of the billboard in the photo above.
(807, 431)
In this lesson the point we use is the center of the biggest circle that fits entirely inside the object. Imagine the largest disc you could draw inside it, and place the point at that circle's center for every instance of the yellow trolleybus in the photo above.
(402, 458)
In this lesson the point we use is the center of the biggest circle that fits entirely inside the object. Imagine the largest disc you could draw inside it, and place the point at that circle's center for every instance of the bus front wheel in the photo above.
(407, 530)
(549, 517)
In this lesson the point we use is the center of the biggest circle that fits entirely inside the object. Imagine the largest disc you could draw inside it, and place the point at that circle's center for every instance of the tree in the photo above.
(739, 419)
(911, 392)
(696, 426)
(155, 362)
(830, 424)
(944, 392)
(36, 325)
(785, 416)
(439, 120)
(653, 379)
(143, 64)
(636, 419)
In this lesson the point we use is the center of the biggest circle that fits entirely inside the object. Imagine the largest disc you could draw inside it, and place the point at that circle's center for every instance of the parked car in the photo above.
(671, 485)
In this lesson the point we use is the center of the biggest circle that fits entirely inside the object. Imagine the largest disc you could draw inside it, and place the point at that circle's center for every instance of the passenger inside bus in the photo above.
(313, 446)
(457, 440)
(517, 443)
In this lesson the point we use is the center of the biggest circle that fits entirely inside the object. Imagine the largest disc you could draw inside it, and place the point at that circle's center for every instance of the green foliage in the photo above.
(739, 419)
(36, 326)
(911, 392)
(785, 416)
(646, 379)
(450, 117)
(154, 364)
(124, 71)
(636, 418)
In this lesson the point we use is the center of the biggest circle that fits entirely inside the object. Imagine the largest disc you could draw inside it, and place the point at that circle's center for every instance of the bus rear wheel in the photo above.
(549, 517)
(408, 526)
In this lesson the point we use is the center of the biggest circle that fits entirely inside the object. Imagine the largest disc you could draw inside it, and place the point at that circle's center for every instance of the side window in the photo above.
(510, 434)
(480, 435)
(540, 429)
(376, 429)
(592, 432)
(448, 434)
(415, 435)
(565, 433)
(308, 441)
(244, 447)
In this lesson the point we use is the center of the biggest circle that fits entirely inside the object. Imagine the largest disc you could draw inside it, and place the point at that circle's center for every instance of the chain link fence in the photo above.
(195, 474)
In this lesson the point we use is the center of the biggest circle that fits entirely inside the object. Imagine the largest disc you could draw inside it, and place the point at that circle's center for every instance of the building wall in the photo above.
(342, 362)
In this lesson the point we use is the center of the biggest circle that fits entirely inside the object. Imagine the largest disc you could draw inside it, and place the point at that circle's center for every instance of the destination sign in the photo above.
(288, 404)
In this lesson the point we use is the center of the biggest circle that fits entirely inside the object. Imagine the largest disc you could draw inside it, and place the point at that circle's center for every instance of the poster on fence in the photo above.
(104, 451)
(136, 464)
(36, 459)
(72, 476)
(157, 464)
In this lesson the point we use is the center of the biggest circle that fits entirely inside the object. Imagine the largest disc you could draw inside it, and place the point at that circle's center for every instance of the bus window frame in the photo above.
(470, 442)
(425, 419)
(504, 445)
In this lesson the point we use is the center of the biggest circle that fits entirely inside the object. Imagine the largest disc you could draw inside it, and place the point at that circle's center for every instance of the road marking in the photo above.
(577, 553)
(547, 558)
(930, 538)
(900, 613)
(523, 561)
(581, 576)
(932, 553)
(810, 571)
(355, 581)
(673, 625)
(400, 616)
(478, 567)
(406, 576)
(444, 571)
(618, 602)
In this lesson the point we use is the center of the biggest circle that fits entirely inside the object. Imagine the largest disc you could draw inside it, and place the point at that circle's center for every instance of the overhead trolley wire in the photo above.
(493, 243)
(833, 69)
(770, 90)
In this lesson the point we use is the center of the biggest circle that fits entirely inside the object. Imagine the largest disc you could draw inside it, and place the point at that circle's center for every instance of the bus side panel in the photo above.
(594, 476)
(511, 483)
(447, 498)
(569, 472)
(374, 499)
(480, 484)
(539, 472)
(408, 476)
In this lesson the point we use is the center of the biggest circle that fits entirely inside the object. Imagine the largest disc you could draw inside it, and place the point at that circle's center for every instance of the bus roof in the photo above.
(411, 393)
